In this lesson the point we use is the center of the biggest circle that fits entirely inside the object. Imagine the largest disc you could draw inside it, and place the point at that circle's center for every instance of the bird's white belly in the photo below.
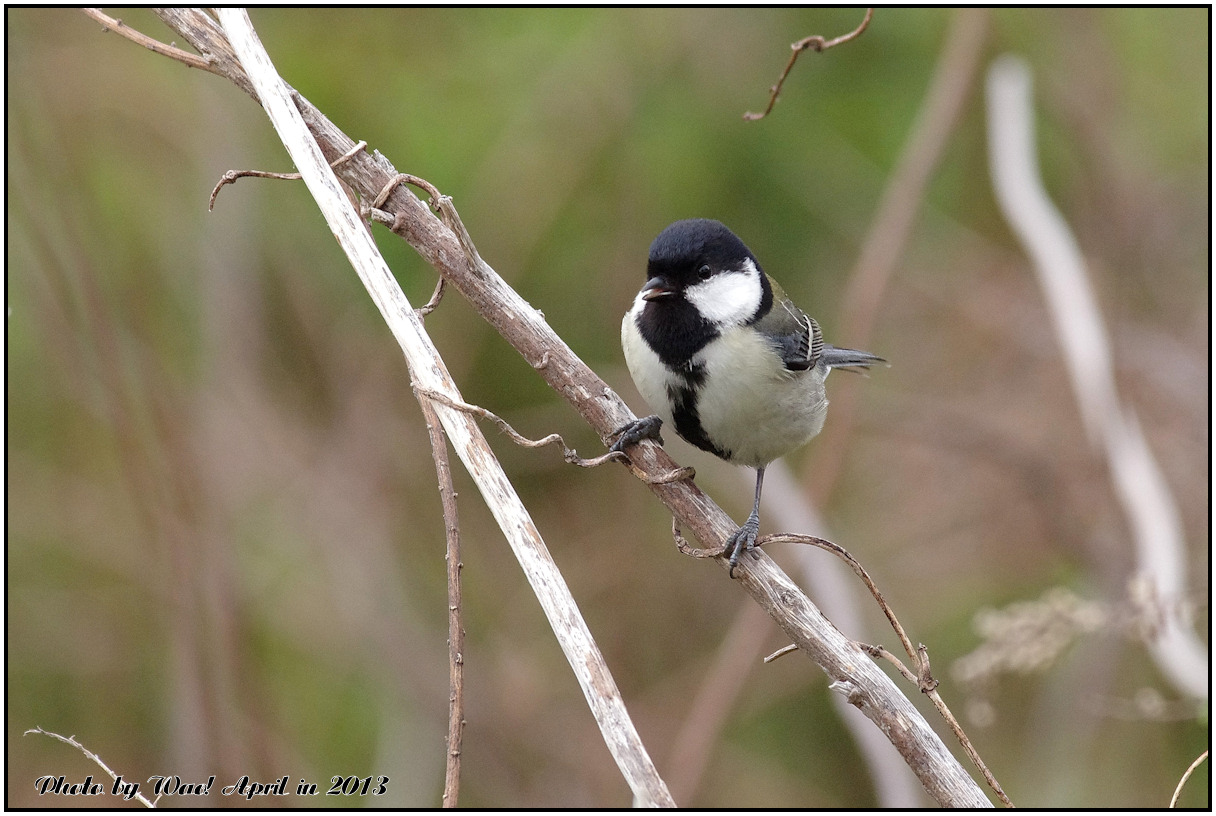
(754, 407)
(749, 403)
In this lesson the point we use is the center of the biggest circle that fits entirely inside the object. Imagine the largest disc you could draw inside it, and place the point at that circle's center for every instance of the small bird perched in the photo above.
(718, 350)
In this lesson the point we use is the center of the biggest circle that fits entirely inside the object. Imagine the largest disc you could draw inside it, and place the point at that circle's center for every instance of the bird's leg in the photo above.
(634, 432)
(745, 537)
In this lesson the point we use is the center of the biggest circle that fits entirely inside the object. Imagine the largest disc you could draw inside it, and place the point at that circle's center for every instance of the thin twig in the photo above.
(923, 677)
(232, 175)
(441, 204)
(815, 42)
(855, 565)
(569, 454)
(1185, 777)
(406, 178)
(123, 30)
(879, 651)
(451, 523)
(963, 740)
(436, 296)
(72, 742)
(447, 213)
(782, 652)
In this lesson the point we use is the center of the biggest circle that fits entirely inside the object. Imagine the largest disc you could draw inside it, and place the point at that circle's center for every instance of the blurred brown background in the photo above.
(224, 542)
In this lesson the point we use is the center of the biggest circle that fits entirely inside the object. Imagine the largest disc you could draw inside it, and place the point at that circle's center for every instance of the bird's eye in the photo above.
(704, 272)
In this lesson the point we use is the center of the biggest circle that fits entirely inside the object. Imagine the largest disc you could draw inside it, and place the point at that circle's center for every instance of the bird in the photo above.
(721, 354)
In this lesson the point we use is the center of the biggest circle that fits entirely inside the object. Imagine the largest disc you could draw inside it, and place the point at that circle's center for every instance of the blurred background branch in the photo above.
(1152, 513)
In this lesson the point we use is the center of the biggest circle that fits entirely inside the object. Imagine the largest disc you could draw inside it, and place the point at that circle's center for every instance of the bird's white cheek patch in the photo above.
(729, 298)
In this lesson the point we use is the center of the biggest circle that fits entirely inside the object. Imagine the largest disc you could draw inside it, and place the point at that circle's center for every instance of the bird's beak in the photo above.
(656, 288)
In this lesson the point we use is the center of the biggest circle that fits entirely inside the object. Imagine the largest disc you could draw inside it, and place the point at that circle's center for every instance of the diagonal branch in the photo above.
(430, 373)
(851, 672)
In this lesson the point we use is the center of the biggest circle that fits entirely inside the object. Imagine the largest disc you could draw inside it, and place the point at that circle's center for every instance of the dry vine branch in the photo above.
(816, 43)
(568, 454)
(232, 175)
(851, 672)
(855, 565)
(123, 30)
(920, 655)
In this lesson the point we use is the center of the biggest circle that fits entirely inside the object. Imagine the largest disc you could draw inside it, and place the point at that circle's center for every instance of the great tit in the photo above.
(719, 351)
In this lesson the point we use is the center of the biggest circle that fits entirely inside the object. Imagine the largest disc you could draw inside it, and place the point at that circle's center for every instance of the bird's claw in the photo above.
(631, 433)
(741, 541)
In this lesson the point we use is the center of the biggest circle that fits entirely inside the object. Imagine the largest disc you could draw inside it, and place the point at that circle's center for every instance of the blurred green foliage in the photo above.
(225, 550)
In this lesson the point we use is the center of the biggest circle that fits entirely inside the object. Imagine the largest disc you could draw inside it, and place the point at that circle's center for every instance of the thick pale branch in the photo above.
(430, 374)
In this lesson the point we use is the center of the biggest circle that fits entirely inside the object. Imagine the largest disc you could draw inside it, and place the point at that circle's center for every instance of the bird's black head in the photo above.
(701, 280)
(694, 250)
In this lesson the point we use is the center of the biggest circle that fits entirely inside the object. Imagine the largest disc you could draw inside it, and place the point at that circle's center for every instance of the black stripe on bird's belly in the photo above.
(684, 411)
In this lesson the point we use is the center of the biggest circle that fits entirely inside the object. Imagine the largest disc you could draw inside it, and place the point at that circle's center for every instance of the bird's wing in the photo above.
(795, 335)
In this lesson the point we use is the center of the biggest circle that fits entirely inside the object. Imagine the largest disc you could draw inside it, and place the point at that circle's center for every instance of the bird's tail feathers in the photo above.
(849, 358)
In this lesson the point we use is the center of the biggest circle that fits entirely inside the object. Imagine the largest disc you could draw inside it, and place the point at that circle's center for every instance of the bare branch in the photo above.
(569, 454)
(204, 34)
(959, 734)
(855, 565)
(451, 525)
(879, 651)
(124, 30)
(687, 549)
(431, 305)
(1178, 790)
(72, 742)
(815, 42)
(232, 175)
(782, 652)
